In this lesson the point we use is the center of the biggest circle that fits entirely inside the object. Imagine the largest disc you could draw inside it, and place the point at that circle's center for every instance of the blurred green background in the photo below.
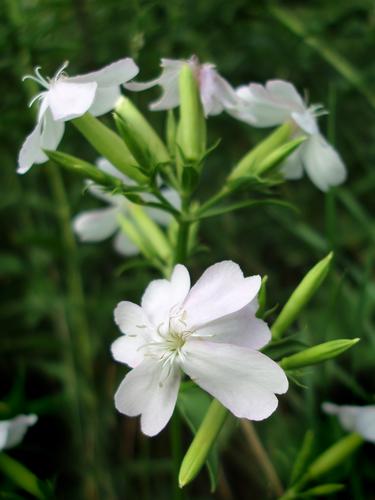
(53, 288)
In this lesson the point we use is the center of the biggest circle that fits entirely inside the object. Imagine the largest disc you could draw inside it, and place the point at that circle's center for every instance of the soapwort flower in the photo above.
(359, 419)
(209, 332)
(12, 431)
(65, 98)
(277, 102)
(102, 223)
(215, 92)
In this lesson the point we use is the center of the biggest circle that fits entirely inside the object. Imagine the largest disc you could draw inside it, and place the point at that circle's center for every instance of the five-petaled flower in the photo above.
(210, 332)
(277, 102)
(359, 419)
(12, 431)
(100, 224)
(66, 98)
(216, 93)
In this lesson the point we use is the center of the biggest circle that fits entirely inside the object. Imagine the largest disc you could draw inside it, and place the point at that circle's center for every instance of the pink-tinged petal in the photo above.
(322, 163)
(133, 323)
(96, 225)
(31, 151)
(216, 93)
(149, 390)
(221, 290)
(112, 75)
(105, 100)
(68, 100)
(243, 380)
(240, 328)
(124, 246)
(161, 296)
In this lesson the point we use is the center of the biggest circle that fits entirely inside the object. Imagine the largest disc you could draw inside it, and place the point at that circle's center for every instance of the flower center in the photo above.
(45, 82)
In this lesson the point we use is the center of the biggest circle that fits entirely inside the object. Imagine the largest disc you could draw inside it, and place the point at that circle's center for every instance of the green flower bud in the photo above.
(204, 439)
(317, 354)
(301, 296)
(109, 145)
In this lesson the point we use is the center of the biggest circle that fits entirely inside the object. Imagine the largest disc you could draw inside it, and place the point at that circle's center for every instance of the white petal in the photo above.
(162, 295)
(105, 100)
(105, 166)
(133, 322)
(31, 151)
(124, 246)
(292, 167)
(243, 380)
(68, 100)
(12, 431)
(285, 92)
(52, 132)
(306, 121)
(359, 419)
(366, 423)
(240, 328)
(221, 290)
(112, 75)
(150, 391)
(96, 225)
(216, 93)
(322, 163)
(243, 107)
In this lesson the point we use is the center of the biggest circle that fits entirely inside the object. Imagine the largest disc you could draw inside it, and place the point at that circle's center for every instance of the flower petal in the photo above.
(133, 322)
(151, 391)
(243, 380)
(240, 328)
(105, 166)
(365, 425)
(52, 132)
(292, 167)
(96, 225)
(124, 246)
(12, 431)
(114, 74)
(216, 93)
(31, 151)
(285, 92)
(221, 290)
(105, 100)
(162, 295)
(322, 163)
(68, 100)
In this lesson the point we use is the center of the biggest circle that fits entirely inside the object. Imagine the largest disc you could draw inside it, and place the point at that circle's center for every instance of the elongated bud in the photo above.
(109, 145)
(191, 134)
(141, 139)
(334, 456)
(274, 159)
(261, 151)
(301, 296)
(203, 441)
(84, 169)
(317, 354)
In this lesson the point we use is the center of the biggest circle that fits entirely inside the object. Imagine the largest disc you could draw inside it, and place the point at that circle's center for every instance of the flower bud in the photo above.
(109, 145)
(191, 134)
(317, 354)
(203, 441)
(273, 160)
(141, 139)
(301, 296)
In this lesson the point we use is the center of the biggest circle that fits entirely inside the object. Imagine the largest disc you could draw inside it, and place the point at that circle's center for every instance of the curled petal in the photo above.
(96, 225)
(31, 151)
(112, 75)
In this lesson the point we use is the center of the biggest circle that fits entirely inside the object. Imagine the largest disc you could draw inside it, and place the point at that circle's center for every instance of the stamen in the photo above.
(60, 72)
(36, 98)
(38, 78)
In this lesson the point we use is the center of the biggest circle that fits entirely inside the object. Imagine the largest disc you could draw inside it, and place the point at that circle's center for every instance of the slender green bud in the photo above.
(273, 160)
(334, 455)
(322, 490)
(261, 151)
(83, 169)
(301, 296)
(139, 136)
(191, 134)
(204, 439)
(20, 475)
(171, 131)
(108, 144)
(317, 354)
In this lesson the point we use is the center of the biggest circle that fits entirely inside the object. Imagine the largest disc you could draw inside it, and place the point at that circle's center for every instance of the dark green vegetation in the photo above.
(56, 292)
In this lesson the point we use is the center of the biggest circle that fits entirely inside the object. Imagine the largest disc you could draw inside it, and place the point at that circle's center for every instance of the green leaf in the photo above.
(193, 404)
(303, 457)
(190, 179)
(322, 490)
(214, 212)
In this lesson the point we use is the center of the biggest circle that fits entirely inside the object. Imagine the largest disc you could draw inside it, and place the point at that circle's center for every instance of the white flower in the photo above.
(12, 431)
(359, 419)
(65, 98)
(100, 224)
(277, 102)
(216, 93)
(210, 332)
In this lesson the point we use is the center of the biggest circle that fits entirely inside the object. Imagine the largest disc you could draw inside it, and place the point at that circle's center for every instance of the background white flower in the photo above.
(359, 419)
(12, 431)
(216, 93)
(210, 332)
(277, 102)
(102, 223)
(65, 98)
